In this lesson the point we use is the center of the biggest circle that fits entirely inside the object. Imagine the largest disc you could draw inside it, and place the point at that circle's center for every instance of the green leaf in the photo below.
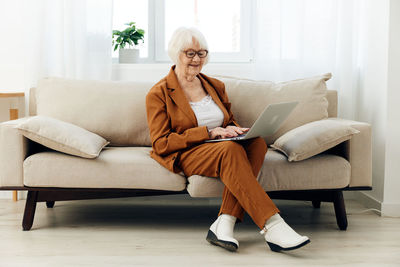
(129, 36)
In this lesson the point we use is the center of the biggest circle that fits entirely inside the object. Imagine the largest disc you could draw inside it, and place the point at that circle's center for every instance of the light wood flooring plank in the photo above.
(171, 231)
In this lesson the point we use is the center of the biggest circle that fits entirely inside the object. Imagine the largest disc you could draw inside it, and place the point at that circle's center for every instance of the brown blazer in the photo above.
(172, 122)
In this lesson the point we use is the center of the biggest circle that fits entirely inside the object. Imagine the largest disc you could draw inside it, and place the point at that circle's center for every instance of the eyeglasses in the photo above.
(191, 53)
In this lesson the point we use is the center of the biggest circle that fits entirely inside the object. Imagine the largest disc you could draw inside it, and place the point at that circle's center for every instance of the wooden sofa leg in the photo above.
(340, 210)
(316, 204)
(30, 207)
(50, 204)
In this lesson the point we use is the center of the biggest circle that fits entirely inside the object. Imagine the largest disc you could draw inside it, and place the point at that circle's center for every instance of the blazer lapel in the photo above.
(211, 91)
(178, 96)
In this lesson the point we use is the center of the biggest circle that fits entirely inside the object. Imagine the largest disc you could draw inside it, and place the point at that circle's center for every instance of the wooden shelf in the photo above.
(16, 94)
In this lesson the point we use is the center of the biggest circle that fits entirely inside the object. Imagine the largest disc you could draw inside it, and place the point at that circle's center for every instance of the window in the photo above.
(226, 25)
(125, 11)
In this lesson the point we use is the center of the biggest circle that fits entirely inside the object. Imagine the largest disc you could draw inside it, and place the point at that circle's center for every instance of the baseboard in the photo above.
(387, 209)
(368, 201)
(391, 210)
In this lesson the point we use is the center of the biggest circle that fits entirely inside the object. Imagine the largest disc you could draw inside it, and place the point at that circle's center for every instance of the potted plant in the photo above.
(126, 40)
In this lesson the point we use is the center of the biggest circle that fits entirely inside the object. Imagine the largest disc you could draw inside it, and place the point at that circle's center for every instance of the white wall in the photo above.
(379, 101)
(154, 72)
(391, 196)
(373, 86)
(11, 52)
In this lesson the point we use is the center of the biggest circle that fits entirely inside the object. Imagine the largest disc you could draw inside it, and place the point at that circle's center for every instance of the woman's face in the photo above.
(191, 65)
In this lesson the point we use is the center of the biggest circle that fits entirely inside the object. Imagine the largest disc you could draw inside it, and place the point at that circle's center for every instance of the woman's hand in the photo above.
(229, 131)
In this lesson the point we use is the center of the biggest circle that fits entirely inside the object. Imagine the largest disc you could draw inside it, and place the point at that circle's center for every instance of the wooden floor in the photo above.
(170, 231)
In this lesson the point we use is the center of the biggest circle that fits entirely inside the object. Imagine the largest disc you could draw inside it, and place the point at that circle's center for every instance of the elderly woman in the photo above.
(185, 109)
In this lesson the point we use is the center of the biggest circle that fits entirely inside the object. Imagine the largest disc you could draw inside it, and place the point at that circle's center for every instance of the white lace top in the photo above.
(207, 113)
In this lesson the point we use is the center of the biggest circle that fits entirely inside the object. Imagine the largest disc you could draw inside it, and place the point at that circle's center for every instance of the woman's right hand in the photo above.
(228, 132)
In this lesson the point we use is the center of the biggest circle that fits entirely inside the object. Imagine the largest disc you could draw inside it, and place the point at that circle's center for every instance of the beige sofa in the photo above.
(116, 111)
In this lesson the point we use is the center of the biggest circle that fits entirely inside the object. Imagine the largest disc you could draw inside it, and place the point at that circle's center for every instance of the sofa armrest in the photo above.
(358, 151)
(13, 151)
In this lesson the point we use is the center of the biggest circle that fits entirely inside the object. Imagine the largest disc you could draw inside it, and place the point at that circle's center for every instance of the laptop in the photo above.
(267, 123)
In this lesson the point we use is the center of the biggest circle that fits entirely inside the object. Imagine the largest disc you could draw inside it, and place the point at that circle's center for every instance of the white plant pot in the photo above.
(128, 55)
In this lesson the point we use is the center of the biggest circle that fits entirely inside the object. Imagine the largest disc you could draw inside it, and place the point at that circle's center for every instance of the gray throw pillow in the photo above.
(313, 138)
(62, 136)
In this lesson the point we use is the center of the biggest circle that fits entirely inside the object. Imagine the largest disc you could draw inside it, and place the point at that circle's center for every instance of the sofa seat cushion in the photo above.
(115, 167)
(323, 171)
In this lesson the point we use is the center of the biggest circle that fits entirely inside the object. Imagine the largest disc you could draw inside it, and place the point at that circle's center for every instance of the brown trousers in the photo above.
(237, 164)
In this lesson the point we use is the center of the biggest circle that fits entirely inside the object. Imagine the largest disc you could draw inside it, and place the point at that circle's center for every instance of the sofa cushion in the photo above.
(323, 171)
(249, 98)
(116, 167)
(312, 138)
(62, 136)
(114, 110)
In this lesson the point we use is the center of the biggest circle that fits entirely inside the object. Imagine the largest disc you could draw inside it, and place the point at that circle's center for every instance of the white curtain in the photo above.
(302, 38)
(294, 39)
(67, 38)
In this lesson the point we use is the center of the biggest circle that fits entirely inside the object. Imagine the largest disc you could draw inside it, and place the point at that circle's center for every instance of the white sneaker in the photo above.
(280, 236)
(221, 232)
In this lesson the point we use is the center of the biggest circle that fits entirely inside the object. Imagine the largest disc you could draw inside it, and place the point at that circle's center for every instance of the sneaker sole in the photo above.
(212, 238)
(277, 248)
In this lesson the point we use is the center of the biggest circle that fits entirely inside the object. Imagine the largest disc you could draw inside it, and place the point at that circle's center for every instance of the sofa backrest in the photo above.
(113, 110)
(332, 97)
(250, 97)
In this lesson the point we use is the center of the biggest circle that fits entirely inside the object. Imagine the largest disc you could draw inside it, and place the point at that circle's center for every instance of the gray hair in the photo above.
(183, 38)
